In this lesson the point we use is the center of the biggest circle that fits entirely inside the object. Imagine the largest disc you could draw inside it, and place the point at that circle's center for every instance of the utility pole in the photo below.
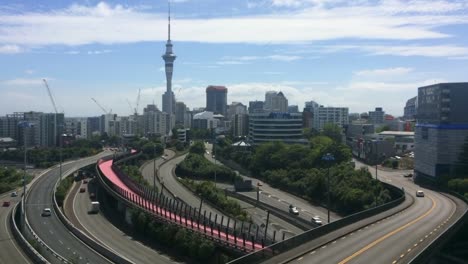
(329, 158)
(214, 157)
(154, 168)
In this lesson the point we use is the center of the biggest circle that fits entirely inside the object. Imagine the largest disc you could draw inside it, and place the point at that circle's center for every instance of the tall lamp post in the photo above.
(24, 125)
(214, 157)
(328, 158)
(154, 167)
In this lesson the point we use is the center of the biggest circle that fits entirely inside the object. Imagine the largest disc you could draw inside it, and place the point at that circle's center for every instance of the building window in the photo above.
(425, 133)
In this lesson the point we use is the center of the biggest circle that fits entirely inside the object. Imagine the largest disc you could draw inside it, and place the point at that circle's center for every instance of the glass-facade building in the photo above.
(276, 126)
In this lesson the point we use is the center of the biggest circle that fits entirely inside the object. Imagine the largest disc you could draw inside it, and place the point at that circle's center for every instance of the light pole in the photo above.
(329, 158)
(24, 125)
(154, 168)
(214, 157)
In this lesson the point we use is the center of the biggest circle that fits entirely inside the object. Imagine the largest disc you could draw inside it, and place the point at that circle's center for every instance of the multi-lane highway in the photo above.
(100, 229)
(10, 251)
(50, 229)
(396, 239)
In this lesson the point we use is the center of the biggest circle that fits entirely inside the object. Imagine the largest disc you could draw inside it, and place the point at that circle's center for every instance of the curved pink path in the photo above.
(106, 168)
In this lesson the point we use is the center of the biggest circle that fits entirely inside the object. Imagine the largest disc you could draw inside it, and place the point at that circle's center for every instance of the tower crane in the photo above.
(130, 105)
(100, 106)
(137, 102)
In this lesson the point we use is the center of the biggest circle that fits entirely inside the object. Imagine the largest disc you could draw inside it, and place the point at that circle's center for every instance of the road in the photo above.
(258, 215)
(10, 251)
(396, 239)
(50, 229)
(98, 227)
(281, 199)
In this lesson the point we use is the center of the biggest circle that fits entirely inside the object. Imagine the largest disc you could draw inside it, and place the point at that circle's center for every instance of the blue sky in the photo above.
(360, 54)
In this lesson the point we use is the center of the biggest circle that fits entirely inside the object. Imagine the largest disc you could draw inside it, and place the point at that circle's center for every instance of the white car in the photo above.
(419, 193)
(46, 212)
(316, 220)
(293, 210)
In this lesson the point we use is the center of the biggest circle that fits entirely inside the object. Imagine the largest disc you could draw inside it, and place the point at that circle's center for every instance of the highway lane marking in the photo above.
(394, 262)
(375, 242)
(311, 253)
(299, 259)
(14, 244)
(60, 241)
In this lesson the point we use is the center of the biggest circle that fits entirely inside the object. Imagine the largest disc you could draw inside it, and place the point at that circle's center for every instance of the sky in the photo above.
(359, 54)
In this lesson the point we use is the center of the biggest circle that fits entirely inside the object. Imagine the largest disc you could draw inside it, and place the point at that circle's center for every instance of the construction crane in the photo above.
(55, 125)
(50, 95)
(130, 105)
(100, 106)
(137, 102)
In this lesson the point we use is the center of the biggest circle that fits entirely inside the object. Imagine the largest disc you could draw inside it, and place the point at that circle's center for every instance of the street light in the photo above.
(24, 125)
(154, 168)
(329, 158)
(214, 157)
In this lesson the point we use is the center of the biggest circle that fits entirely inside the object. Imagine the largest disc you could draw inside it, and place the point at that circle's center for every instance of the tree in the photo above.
(197, 148)
(461, 167)
(333, 131)
(383, 128)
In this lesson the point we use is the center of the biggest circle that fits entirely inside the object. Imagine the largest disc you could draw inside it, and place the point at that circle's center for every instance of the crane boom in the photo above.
(129, 104)
(50, 95)
(100, 106)
(137, 102)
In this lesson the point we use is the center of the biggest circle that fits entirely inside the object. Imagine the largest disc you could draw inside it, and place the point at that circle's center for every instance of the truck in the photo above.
(94, 209)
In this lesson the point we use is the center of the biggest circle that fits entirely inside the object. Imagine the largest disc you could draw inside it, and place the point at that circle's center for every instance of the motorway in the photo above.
(10, 251)
(258, 215)
(99, 228)
(396, 239)
(50, 229)
(281, 199)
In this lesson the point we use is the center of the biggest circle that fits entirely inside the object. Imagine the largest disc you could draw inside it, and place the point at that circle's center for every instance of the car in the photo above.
(317, 221)
(92, 195)
(316, 217)
(293, 210)
(408, 175)
(259, 183)
(6, 203)
(82, 190)
(14, 194)
(46, 212)
(85, 181)
(419, 193)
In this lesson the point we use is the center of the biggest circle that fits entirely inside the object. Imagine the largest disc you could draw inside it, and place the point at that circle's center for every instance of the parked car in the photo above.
(46, 212)
(6, 203)
(293, 210)
(419, 193)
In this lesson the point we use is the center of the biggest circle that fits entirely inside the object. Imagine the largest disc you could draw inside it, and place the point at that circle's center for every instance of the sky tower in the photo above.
(169, 57)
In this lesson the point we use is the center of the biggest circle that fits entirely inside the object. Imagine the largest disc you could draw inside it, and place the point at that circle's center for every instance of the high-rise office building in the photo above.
(377, 116)
(410, 108)
(216, 99)
(154, 121)
(256, 106)
(330, 115)
(275, 102)
(168, 98)
(441, 129)
(275, 126)
(180, 113)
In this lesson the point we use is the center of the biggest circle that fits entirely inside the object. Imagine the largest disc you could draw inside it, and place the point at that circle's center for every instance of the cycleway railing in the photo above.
(226, 232)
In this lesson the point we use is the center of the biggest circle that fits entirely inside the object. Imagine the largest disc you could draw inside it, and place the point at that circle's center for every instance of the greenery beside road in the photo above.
(186, 243)
(301, 170)
(196, 166)
(62, 189)
(134, 173)
(46, 157)
(11, 178)
(209, 192)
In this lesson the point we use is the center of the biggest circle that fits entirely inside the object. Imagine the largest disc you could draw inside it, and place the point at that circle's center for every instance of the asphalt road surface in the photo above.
(396, 239)
(50, 229)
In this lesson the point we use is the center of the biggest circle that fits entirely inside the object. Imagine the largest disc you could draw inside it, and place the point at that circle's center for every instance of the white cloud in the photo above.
(29, 71)
(23, 82)
(98, 52)
(428, 51)
(10, 49)
(389, 72)
(283, 58)
(231, 60)
(108, 24)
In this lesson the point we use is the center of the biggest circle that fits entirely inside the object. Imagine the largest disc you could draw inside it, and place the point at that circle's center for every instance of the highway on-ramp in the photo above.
(50, 229)
(258, 216)
(396, 239)
(99, 228)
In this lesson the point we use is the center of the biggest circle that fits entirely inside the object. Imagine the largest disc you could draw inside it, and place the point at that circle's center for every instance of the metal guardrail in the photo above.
(108, 253)
(297, 221)
(431, 249)
(283, 246)
(168, 207)
(32, 253)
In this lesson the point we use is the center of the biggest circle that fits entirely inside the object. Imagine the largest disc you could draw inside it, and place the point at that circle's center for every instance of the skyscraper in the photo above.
(169, 57)
(216, 99)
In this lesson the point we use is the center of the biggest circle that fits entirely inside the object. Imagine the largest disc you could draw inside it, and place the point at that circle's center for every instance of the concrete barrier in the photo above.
(106, 252)
(32, 253)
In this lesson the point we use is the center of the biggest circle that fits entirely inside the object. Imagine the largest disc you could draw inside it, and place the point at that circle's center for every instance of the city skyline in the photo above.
(325, 51)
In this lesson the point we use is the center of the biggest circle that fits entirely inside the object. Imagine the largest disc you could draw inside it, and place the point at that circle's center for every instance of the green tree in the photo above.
(197, 148)
(333, 131)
